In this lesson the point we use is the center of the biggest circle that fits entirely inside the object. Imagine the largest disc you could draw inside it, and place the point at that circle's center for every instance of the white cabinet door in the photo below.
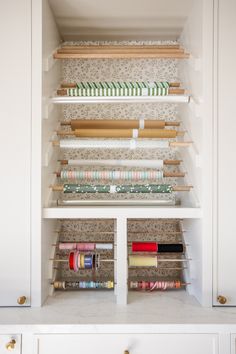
(134, 343)
(15, 147)
(226, 152)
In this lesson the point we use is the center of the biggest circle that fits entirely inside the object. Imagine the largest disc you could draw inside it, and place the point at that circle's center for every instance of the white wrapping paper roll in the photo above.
(113, 144)
(157, 164)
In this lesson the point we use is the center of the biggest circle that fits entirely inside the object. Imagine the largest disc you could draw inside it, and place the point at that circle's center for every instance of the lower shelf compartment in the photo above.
(123, 256)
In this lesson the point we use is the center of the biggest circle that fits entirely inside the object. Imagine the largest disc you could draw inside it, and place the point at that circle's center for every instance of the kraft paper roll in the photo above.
(142, 261)
(116, 124)
(126, 133)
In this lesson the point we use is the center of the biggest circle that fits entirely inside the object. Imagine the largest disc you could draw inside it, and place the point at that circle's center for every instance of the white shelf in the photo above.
(162, 99)
(121, 212)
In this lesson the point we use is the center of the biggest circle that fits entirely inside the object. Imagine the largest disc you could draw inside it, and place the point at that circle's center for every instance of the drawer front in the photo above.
(9, 343)
(233, 343)
(134, 343)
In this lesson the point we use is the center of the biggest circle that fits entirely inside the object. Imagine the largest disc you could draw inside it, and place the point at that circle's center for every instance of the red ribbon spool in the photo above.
(144, 247)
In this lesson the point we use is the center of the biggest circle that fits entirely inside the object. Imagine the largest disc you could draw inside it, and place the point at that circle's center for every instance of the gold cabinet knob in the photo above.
(21, 300)
(222, 299)
(126, 352)
(11, 345)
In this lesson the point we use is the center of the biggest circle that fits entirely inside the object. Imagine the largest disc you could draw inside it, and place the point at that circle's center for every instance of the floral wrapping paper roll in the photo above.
(135, 188)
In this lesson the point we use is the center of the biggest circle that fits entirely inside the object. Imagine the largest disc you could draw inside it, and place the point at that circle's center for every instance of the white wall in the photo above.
(15, 144)
(45, 39)
(225, 145)
(196, 74)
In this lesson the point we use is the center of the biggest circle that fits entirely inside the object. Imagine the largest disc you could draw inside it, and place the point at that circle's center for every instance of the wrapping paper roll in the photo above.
(113, 144)
(142, 261)
(135, 188)
(116, 124)
(126, 133)
(157, 164)
(104, 89)
(111, 175)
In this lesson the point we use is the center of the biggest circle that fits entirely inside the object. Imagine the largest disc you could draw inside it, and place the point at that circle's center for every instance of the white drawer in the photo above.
(13, 342)
(134, 343)
(233, 343)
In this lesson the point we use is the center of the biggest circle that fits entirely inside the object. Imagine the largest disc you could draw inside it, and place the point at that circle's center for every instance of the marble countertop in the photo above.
(149, 312)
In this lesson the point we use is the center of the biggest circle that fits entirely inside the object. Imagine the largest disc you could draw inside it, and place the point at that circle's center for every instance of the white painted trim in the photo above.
(129, 212)
(75, 100)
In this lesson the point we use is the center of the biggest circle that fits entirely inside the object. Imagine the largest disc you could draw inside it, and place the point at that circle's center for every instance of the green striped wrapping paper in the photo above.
(121, 188)
(109, 174)
(110, 89)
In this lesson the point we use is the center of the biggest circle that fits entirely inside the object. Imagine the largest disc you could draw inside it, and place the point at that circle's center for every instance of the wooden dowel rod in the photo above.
(172, 162)
(85, 241)
(120, 50)
(117, 124)
(165, 162)
(57, 188)
(182, 188)
(66, 260)
(121, 55)
(113, 260)
(122, 133)
(156, 233)
(161, 260)
(174, 174)
(180, 143)
(66, 85)
(129, 243)
(108, 46)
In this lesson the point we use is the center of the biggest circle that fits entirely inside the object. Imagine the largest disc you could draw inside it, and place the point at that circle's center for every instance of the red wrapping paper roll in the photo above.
(144, 247)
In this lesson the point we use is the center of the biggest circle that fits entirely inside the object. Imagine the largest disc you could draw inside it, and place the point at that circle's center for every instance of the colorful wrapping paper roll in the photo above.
(142, 261)
(111, 175)
(107, 89)
(144, 188)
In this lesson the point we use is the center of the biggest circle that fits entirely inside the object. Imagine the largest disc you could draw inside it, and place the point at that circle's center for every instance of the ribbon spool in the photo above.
(157, 247)
(81, 261)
